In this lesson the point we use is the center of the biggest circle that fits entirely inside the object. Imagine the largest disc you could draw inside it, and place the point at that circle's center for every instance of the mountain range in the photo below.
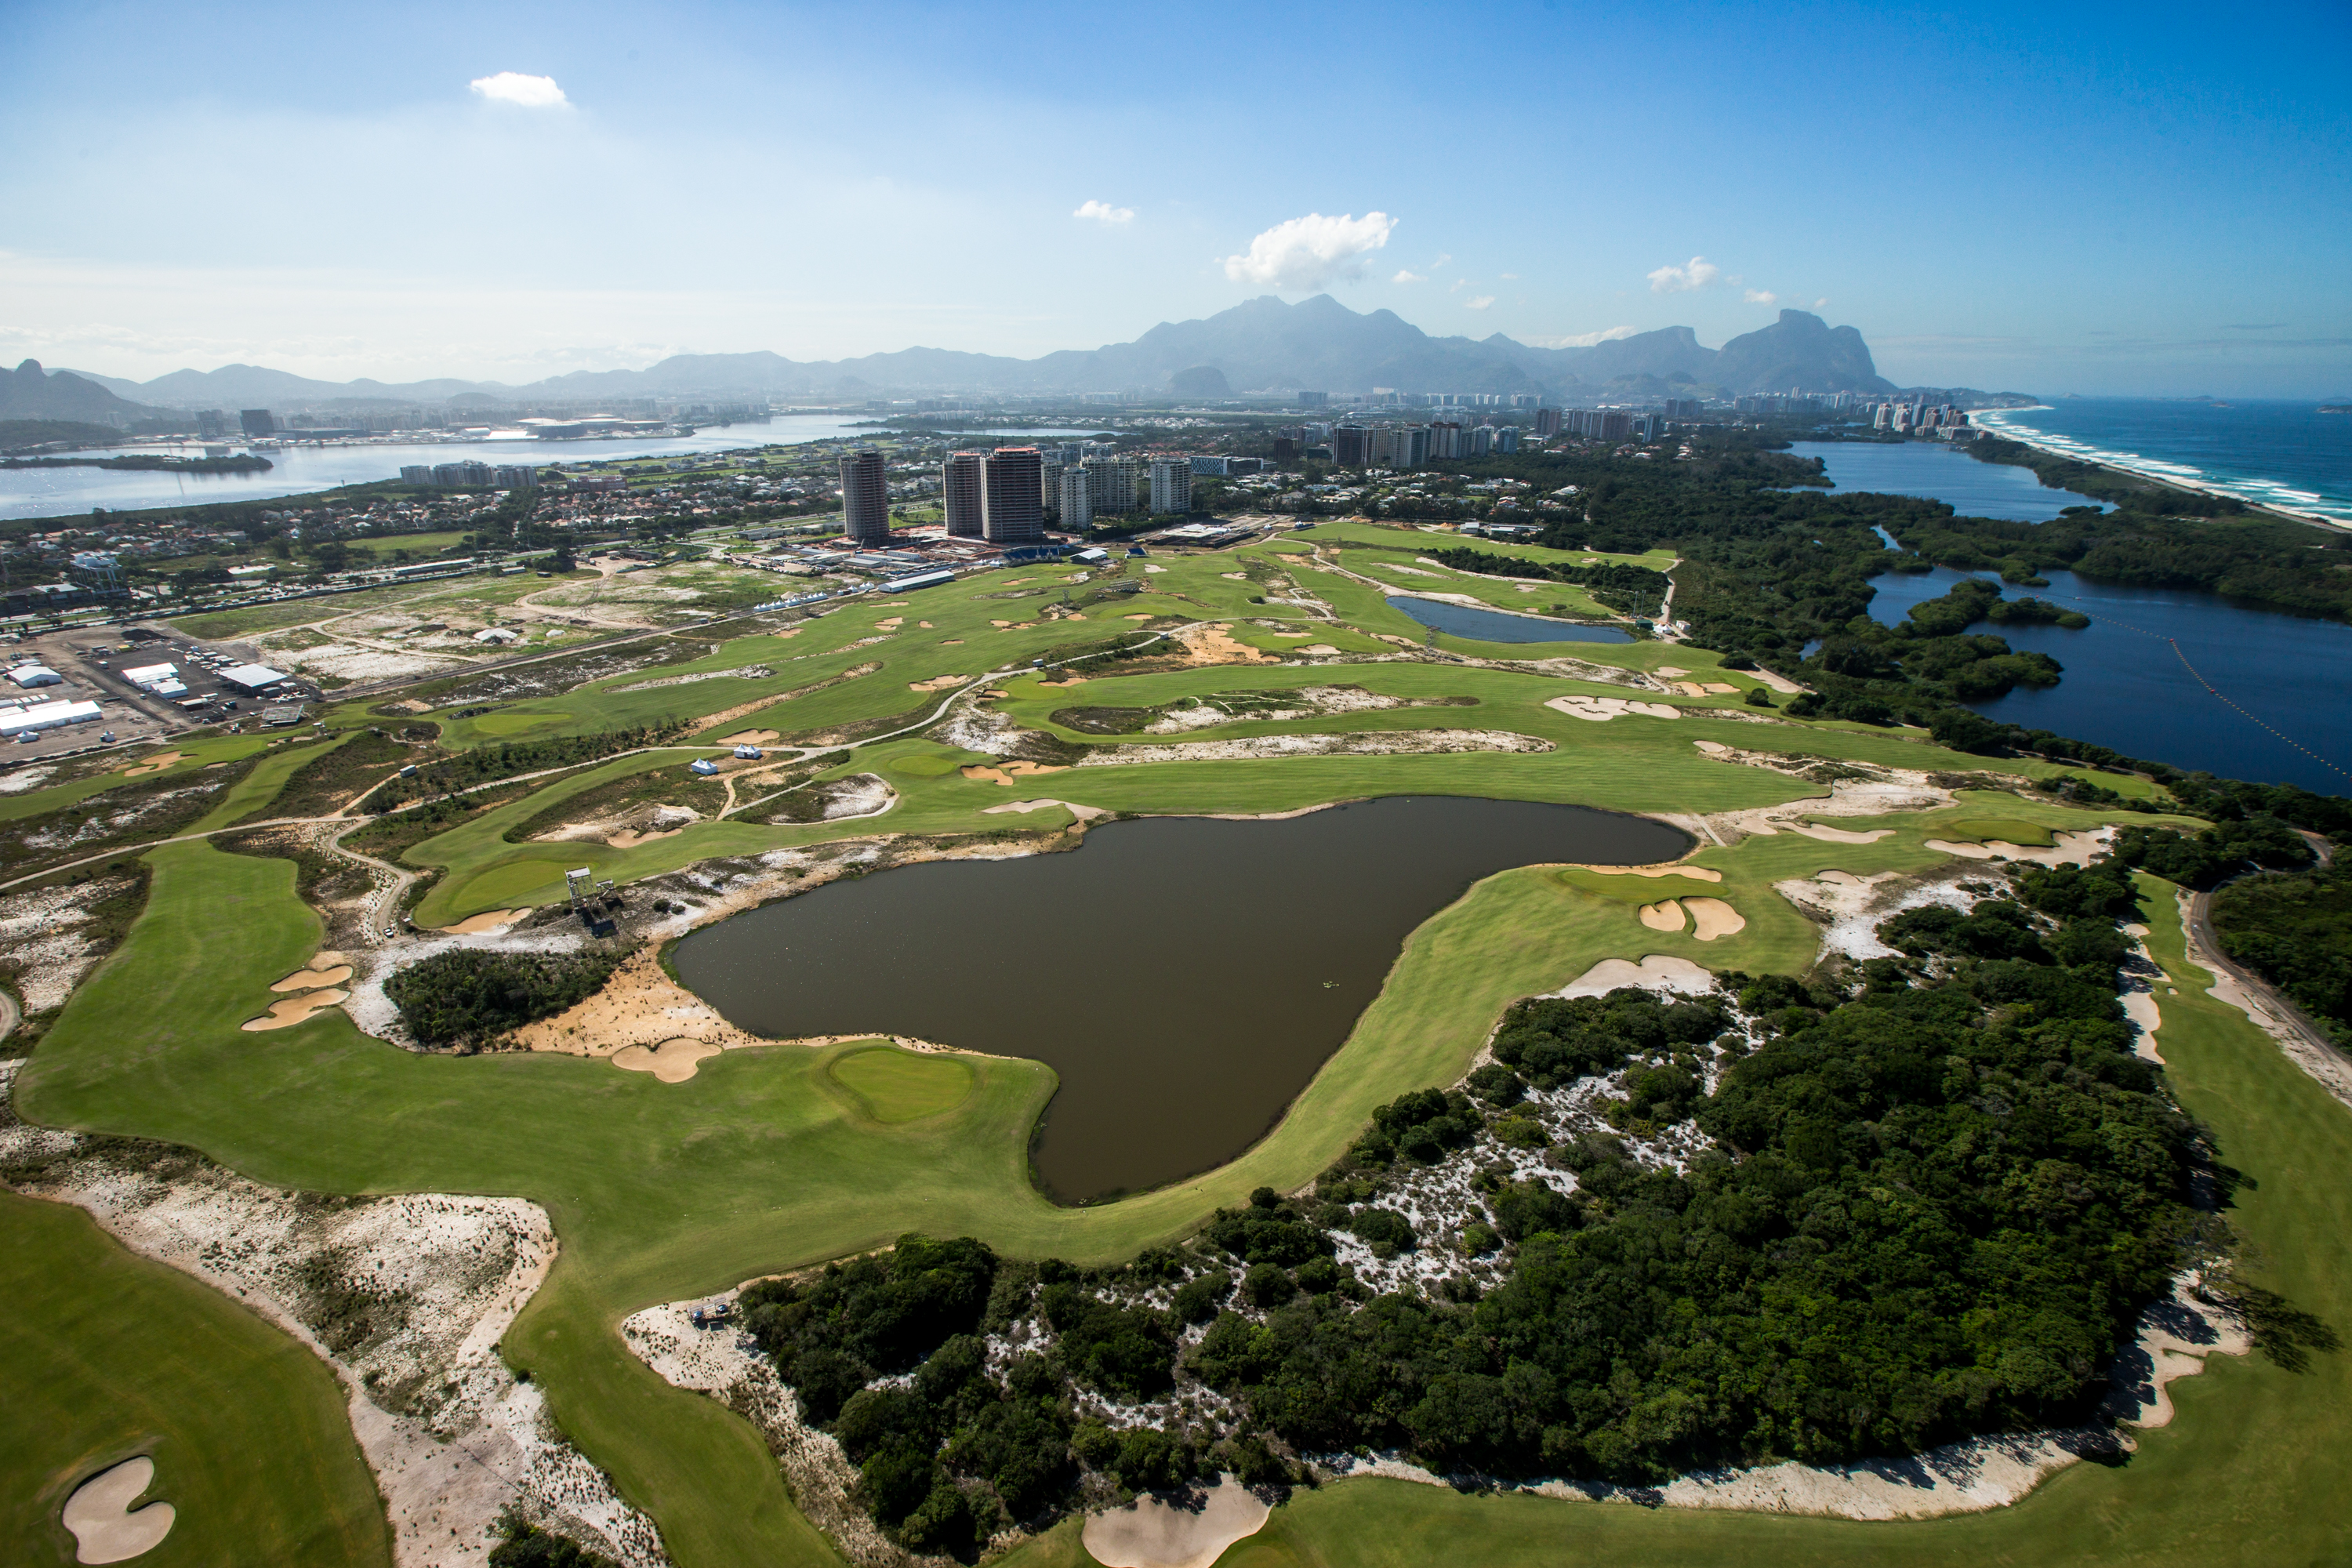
(1261, 345)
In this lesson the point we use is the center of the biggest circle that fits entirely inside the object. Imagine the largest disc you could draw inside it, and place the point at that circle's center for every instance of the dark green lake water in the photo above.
(1185, 977)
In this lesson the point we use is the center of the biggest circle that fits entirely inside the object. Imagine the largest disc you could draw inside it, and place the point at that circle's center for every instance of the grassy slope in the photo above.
(109, 1355)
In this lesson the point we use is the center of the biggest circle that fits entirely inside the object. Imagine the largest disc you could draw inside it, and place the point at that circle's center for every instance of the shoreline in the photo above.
(2040, 441)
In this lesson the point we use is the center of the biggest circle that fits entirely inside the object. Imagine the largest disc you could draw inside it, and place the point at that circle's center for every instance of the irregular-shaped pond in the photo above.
(1185, 977)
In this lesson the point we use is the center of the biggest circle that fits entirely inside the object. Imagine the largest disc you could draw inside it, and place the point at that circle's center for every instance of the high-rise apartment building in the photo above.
(963, 488)
(256, 422)
(1506, 438)
(1110, 485)
(1446, 441)
(1074, 499)
(1351, 447)
(1012, 502)
(1547, 423)
(1172, 485)
(1400, 447)
(1285, 451)
(865, 498)
(1682, 407)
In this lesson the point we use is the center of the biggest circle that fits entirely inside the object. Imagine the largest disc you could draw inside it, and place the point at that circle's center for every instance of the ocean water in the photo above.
(2286, 455)
(1935, 471)
(2176, 675)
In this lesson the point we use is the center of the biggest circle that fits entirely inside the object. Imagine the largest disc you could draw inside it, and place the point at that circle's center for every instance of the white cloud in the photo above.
(523, 91)
(1697, 274)
(1312, 251)
(1481, 302)
(1510, 277)
(1584, 340)
(1407, 275)
(1104, 213)
(1762, 296)
(1444, 256)
(1821, 302)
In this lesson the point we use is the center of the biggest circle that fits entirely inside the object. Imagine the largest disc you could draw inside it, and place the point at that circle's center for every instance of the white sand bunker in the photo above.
(1664, 916)
(1697, 873)
(104, 1524)
(488, 920)
(1150, 1534)
(1083, 813)
(327, 969)
(2070, 848)
(1840, 834)
(1654, 973)
(292, 1010)
(1601, 710)
(672, 1061)
(1711, 918)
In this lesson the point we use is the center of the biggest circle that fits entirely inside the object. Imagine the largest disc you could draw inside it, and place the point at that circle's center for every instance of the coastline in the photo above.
(2144, 468)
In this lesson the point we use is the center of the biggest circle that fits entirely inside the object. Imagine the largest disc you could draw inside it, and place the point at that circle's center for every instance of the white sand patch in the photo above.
(25, 779)
(1851, 908)
(46, 942)
(2070, 848)
(1656, 971)
(1711, 918)
(486, 921)
(106, 1528)
(1318, 650)
(861, 794)
(1601, 710)
(2176, 1335)
(1667, 915)
(451, 1436)
(1009, 773)
(1367, 744)
(745, 672)
(1193, 1532)
(672, 1061)
(315, 977)
(347, 662)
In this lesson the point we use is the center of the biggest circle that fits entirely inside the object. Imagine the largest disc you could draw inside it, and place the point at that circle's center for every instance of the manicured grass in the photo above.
(2009, 829)
(892, 1085)
(194, 756)
(105, 1355)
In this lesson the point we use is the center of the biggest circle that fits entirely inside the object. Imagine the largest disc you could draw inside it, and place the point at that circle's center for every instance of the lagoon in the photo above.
(1185, 977)
(1935, 471)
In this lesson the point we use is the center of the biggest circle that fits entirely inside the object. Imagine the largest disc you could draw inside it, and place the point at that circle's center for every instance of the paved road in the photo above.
(2210, 952)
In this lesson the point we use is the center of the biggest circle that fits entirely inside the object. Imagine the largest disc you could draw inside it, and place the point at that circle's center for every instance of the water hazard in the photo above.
(1501, 625)
(1185, 977)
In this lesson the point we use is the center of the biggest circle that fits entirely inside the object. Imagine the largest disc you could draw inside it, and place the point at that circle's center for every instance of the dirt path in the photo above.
(2304, 1041)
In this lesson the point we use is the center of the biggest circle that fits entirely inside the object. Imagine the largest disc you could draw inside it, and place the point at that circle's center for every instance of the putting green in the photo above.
(2007, 829)
(894, 1085)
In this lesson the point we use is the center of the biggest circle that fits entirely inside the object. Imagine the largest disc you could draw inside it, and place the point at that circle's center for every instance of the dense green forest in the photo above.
(2295, 932)
(1933, 1206)
(470, 997)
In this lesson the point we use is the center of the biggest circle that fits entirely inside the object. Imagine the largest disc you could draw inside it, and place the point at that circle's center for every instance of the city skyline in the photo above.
(2105, 202)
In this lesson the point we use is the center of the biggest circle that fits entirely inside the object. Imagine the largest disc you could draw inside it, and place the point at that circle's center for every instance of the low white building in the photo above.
(30, 675)
(48, 716)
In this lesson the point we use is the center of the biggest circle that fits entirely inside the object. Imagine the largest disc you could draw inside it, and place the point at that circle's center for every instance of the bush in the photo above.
(468, 997)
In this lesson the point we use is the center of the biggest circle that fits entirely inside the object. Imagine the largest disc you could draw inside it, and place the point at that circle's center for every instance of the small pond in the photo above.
(1185, 977)
(1501, 625)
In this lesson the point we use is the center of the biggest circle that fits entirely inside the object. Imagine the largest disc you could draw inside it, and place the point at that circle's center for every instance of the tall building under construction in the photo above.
(964, 485)
(865, 498)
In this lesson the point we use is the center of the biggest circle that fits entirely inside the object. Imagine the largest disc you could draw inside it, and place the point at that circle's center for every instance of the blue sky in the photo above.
(2141, 199)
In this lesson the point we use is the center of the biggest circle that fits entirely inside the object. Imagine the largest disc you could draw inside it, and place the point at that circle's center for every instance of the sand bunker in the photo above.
(1005, 773)
(1215, 644)
(1699, 873)
(746, 738)
(672, 1061)
(1670, 670)
(1706, 688)
(1148, 617)
(2070, 848)
(107, 1530)
(629, 838)
(1602, 708)
(1320, 649)
(1149, 1533)
(937, 683)
(1654, 973)
(892, 624)
(1083, 813)
(1838, 835)
(154, 764)
(293, 1010)
(315, 977)
(1664, 916)
(488, 920)
(1711, 918)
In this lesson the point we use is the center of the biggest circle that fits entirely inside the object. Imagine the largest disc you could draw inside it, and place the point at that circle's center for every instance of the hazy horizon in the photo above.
(2096, 202)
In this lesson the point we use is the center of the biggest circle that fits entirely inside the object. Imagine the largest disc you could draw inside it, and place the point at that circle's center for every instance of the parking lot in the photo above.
(89, 662)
